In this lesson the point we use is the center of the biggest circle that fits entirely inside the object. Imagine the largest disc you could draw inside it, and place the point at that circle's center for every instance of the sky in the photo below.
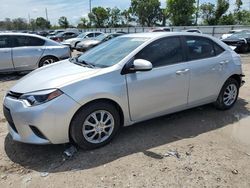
(72, 9)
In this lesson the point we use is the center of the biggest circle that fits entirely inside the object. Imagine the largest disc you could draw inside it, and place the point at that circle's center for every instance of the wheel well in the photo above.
(237, 78)
(57, 59)
(77, 43)
(100, 100)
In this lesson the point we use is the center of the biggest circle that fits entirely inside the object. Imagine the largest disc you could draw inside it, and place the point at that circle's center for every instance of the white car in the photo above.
(72, 43)
(25, 52)
(126, 80)
(224, 36)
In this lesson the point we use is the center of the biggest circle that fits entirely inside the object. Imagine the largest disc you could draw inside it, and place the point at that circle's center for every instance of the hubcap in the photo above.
(48, 61)
(98, 126)
(230, 94)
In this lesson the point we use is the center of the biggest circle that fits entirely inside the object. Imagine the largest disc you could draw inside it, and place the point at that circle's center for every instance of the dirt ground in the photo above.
(201, 147)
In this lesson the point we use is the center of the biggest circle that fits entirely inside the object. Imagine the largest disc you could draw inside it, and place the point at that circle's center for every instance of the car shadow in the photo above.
(11, 76)
(137, 138)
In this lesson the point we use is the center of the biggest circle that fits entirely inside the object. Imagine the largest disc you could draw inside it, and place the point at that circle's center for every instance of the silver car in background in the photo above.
(24, 52)
(126, 80)
(83, 36)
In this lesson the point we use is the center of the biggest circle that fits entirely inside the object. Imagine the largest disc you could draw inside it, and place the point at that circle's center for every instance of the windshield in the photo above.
(100, 37)
(81, 35)
(111, 52)
(241, 35)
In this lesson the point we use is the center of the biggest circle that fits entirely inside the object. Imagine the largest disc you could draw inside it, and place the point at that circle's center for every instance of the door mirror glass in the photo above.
(141, 65)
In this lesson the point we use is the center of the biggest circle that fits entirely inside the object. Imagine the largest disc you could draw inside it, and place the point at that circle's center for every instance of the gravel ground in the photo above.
(201, 147)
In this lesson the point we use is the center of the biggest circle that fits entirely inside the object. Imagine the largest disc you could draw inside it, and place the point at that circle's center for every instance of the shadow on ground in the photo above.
(11, 76)
(138, 138)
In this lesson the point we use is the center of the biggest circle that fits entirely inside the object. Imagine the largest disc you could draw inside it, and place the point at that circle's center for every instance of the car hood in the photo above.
(53, 76)
(89, 42)
(72, 40)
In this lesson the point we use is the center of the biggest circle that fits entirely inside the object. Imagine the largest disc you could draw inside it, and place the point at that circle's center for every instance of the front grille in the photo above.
(14, 95)
(232, 43)
(8, 117)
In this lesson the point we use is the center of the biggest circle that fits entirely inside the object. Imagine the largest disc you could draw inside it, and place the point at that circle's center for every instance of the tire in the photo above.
(85, 131)
(244, 48)
(47, 60)
(228, 95)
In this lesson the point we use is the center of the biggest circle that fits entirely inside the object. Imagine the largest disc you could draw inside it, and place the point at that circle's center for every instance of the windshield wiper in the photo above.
(76, 61)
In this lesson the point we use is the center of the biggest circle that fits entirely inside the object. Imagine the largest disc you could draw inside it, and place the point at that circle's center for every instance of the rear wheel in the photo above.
(228, 95)
(47, 60)
(95, 125)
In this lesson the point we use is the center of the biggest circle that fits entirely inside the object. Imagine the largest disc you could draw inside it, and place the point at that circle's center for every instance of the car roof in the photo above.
(23, 34)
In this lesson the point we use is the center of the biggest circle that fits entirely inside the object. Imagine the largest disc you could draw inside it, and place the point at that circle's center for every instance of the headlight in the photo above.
(40, 97)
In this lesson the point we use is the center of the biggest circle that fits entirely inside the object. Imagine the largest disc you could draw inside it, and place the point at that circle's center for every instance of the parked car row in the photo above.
(90, 43)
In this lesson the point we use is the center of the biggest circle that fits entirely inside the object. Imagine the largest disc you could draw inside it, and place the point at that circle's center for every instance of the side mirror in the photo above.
(137, 65)
(141, 65)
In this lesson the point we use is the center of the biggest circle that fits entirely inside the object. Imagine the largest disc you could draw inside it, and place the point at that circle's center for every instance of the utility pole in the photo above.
(46, 13)
(197, 12)
(90, 7)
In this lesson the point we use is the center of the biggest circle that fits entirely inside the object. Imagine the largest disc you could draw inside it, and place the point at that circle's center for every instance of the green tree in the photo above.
(63, 22)
(238, 13)
(19, 24)
(42, 23)
(148, 12)
(126, 17)
(228, 19)
(221, 9)
(212, 14)
(181, 11)
(115, 17)
(99, 16)
(208, 13)
(83, 23)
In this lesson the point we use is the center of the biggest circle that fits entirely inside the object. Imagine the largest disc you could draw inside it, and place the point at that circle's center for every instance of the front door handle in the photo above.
(180, 72)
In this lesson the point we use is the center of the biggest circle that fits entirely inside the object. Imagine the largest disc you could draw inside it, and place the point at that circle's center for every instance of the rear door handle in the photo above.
(180, 72)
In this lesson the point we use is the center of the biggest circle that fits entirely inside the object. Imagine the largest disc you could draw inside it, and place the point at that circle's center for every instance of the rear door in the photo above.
(206, 61)
(5, 53)
(27, 51)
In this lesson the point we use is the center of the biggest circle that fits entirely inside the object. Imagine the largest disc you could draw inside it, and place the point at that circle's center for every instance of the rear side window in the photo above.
(19, 41)
(97, 34)
(162, 52)
(199, 48)
(90, 35)
(4, 42)
(218, 49)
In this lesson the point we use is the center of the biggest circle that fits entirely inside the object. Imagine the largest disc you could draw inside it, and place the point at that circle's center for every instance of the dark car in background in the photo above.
(64, 35)
(239, 42)
(87, 44)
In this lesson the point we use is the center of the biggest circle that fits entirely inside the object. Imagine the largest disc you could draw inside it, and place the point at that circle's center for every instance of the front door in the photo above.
(165, 87)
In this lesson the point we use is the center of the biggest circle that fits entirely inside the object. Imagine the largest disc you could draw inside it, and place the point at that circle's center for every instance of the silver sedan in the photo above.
(24, 52)
(126, 80)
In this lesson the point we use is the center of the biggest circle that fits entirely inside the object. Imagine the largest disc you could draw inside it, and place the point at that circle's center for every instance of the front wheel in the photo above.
(228, 95)
(95, 125)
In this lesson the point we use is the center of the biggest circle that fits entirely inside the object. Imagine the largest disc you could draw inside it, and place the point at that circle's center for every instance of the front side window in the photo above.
(162, 52)
(199, 48)
(4, 42)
